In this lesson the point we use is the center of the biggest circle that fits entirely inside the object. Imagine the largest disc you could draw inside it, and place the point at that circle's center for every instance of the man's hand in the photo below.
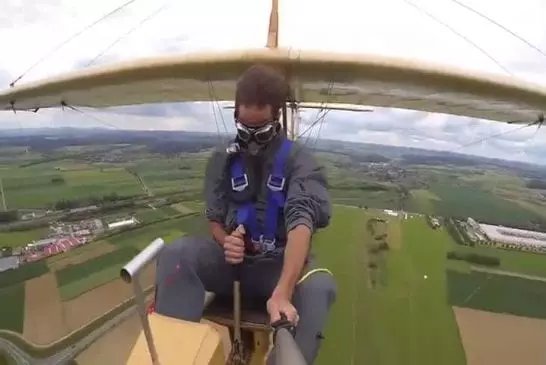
(278, 304)
(234, 246)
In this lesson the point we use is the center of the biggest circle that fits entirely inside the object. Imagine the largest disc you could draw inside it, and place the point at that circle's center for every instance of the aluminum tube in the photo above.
(141, 308)
(286, 349)
(133, 268)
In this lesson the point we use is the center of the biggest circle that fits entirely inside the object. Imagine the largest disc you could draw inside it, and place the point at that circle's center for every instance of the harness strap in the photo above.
(276, 197)
(246, 212)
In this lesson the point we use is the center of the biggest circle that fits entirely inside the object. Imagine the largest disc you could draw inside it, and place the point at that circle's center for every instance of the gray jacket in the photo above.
(307, 197)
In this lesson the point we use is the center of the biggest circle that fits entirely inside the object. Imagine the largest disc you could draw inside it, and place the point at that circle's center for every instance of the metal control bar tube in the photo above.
(287, 351)
(130, 273)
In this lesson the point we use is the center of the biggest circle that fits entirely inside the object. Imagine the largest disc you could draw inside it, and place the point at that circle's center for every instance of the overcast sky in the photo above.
(29, 29)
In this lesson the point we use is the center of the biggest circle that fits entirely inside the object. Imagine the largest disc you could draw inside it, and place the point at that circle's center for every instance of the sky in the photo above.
(29, 29)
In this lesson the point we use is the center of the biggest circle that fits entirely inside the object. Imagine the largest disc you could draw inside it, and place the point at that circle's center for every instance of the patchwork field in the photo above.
(498, 293)
(48, 299)
(408, 320)
(96, 302)
(80, 255)
(404, 319)
(500, 339)
(75, 280)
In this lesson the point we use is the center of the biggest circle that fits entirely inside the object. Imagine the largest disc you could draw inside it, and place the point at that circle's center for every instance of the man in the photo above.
(264, 200)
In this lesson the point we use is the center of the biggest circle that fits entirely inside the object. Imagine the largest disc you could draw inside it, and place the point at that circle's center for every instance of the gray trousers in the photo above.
(190, 265)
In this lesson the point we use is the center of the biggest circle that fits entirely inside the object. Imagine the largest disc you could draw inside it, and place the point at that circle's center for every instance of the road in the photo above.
(62, 357)
(20, 357)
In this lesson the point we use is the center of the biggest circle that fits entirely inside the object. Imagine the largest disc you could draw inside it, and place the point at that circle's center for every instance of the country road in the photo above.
(20, 357)
(62, 357)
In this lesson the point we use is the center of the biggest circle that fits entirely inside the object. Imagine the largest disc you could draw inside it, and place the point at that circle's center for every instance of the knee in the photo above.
(182, 249)
(319, 285)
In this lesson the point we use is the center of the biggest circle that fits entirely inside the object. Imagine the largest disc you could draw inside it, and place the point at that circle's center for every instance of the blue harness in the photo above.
(263, 237)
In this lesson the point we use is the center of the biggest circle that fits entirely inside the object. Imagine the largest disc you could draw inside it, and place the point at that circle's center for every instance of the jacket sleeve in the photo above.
(307, 199)
(215, 187)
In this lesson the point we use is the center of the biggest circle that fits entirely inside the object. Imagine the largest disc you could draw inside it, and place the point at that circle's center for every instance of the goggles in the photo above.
(263, 134)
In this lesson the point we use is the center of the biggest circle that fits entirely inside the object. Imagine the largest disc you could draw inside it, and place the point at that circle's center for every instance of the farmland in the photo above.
(386, 311)
(378, 325)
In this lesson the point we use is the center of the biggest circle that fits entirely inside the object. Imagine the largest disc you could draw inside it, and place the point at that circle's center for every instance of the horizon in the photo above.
(35, 131)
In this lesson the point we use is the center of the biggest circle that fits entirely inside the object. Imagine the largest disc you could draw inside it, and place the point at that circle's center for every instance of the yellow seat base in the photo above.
(179, 342)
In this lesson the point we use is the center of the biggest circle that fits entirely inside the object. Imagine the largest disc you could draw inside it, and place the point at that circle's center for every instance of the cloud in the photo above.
(30, 29)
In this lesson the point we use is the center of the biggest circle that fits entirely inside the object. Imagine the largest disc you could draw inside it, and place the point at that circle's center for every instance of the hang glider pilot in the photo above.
(265, 196)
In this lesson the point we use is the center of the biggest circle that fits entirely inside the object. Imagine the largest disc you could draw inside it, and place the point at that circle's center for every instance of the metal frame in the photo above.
(130, 273)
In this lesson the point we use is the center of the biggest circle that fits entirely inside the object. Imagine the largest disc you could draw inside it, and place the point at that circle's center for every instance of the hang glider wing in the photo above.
(314, 77)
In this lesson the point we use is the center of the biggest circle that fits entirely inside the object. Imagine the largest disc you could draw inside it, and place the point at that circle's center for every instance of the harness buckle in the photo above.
(239, 183)
(264, 244)
(268, 245)
(276, 183)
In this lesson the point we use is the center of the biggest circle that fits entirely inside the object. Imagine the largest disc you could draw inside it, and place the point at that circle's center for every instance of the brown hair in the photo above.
(261, 85)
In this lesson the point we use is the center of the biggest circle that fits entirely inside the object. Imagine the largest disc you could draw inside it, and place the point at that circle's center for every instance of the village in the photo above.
(61, 237)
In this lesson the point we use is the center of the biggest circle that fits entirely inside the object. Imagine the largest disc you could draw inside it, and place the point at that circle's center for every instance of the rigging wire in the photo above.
(211, 96)
(126, 34)
(321, 114)
(469, 8)
(468, 40)
(320, 119)
(218, 106)
(90, 115)
(540, 119)
(318, 133)
(538, 122)
(69, 39)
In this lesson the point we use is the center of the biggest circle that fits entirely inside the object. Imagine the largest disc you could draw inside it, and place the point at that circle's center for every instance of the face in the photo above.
(259, 120)
(254, 116)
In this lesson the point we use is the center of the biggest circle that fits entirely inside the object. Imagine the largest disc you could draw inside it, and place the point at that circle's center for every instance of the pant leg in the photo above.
(312, 299)
(185, 269)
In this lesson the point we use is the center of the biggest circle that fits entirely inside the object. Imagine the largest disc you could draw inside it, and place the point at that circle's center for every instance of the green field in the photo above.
(150, 215)
(5, 360)
(12, 307)
(21, 238)
(168, 230)
(23, 273)
(521, 262)
(75, 280)
(32, 187)
(409, 321)
(464, 201)
(498, 293)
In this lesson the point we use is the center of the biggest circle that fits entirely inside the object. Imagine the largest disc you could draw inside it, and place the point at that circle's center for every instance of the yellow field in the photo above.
(501, 339)
(44, 321)
(98, 301)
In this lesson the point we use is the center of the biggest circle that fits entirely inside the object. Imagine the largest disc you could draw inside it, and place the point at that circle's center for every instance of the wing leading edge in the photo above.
(315, 77)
